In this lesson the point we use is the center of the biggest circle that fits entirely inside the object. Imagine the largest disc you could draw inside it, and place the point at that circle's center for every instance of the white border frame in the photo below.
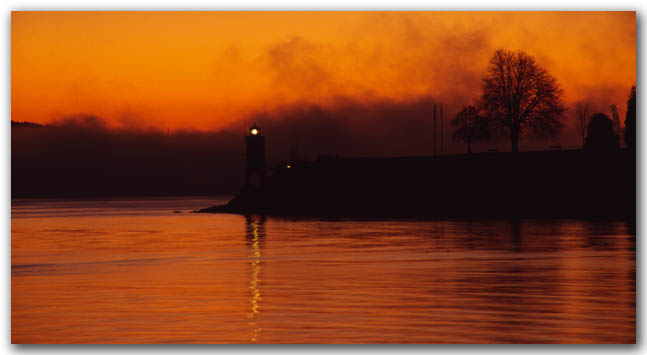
(460, 5)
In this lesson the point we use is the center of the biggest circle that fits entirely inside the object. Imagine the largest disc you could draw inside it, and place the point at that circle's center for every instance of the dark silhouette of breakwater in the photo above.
(550, 184)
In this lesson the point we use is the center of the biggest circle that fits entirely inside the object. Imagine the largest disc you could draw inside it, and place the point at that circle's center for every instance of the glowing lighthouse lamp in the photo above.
(255, 158)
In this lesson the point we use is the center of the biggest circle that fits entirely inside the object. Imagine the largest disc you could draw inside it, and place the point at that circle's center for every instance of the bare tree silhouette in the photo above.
(521, 98)
(581, 114)
(630, 120)
(470, 127)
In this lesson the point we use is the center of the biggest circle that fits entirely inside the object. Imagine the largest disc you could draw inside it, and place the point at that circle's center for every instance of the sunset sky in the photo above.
(211, 70)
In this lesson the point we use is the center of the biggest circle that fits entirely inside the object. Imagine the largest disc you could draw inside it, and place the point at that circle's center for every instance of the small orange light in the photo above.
(289, 166)
(254, 131)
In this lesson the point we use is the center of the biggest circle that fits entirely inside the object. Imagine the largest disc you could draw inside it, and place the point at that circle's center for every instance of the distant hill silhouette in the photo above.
(25, 124)
(91, 161)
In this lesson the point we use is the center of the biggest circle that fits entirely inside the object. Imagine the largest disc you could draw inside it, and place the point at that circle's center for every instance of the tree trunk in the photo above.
(514, 137)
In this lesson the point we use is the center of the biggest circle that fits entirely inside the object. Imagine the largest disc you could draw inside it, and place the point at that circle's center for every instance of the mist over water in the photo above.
(83, 155)
(132, 271)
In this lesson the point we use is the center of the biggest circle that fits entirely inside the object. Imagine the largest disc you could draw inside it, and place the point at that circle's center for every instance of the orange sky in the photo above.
(207, 70)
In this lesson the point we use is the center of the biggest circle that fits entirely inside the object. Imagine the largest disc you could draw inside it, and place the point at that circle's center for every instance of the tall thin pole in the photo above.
(442, 133)
(434, 129)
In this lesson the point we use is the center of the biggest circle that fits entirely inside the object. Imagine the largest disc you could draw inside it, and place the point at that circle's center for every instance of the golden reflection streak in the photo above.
(255, 233)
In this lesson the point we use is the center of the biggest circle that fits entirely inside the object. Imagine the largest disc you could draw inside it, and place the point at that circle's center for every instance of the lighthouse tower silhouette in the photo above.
(254, 158)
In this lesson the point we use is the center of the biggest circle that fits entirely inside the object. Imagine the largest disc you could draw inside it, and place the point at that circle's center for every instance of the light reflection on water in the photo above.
(255, 232)
(134, 272)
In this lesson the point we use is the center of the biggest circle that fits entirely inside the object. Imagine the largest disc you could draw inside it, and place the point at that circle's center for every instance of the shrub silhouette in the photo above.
(469, 127)
(601, 136)
(630, 120)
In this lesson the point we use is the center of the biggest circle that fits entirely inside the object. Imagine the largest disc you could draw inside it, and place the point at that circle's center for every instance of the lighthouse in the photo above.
(254, 158)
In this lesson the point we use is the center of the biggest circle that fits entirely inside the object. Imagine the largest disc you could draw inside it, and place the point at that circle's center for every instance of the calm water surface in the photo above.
(132, 271)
